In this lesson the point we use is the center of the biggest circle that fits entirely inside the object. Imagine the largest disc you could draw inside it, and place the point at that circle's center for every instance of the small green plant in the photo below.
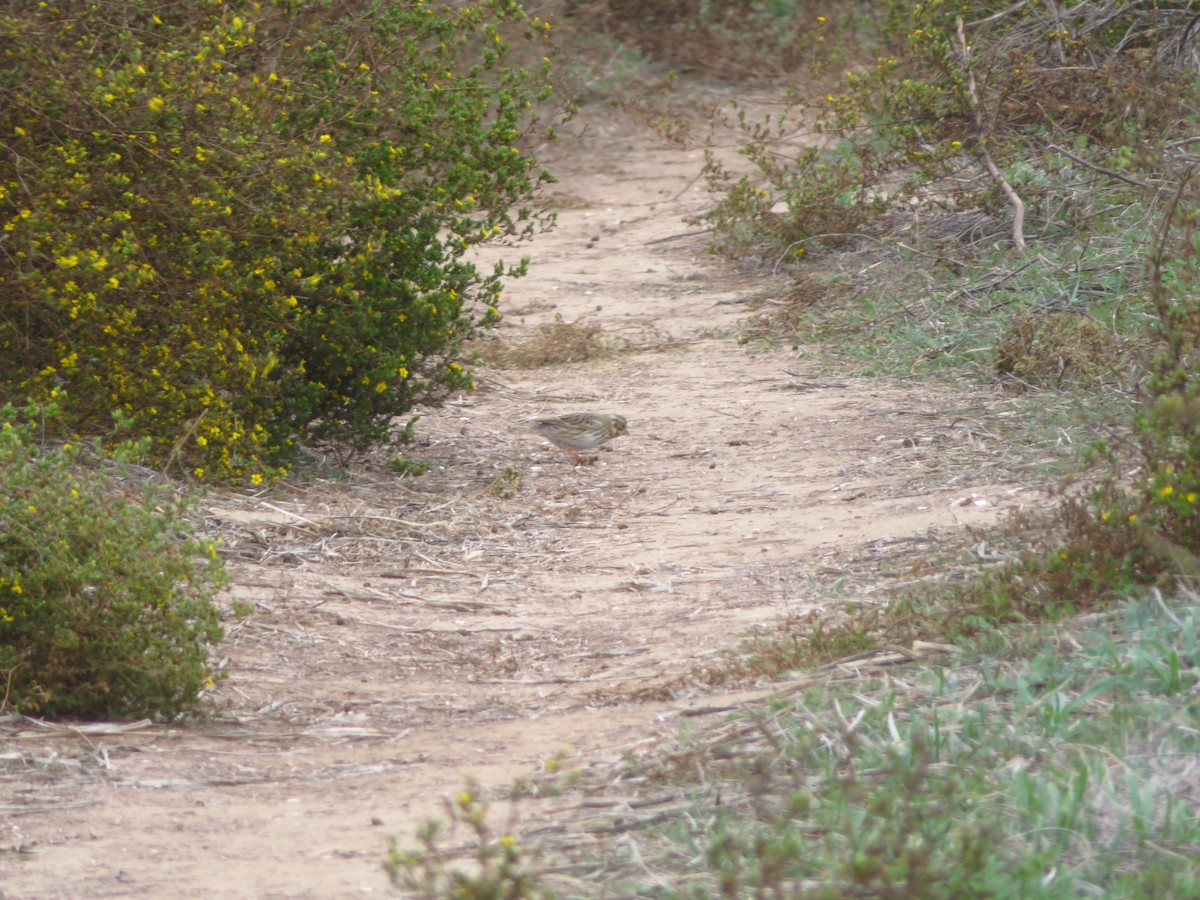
(499, 867)
(242, 609)
(106, 595)
(408, 434)
(506, 485)
(410, 467)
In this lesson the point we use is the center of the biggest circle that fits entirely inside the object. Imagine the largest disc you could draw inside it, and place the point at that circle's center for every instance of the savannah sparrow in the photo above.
(576, 432)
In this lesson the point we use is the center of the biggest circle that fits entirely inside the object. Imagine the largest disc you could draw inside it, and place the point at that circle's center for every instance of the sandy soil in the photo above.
(509, 606)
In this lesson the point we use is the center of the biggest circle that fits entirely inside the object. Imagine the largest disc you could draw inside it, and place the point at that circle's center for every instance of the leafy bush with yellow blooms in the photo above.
(230, 226)
(106, 595)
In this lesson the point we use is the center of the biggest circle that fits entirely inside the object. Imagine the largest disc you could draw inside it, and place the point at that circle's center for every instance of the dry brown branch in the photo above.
(1103, 171)
(21, 809)
(1014, 199)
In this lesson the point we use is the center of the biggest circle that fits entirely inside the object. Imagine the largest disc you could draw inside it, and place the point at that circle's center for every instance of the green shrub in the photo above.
(105, 597)
(232, 225)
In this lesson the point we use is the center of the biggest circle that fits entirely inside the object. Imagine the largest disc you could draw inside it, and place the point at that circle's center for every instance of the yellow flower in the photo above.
(1166, 491)
(256, 478)
(156, 104)
(325, 138)
(1191, 497)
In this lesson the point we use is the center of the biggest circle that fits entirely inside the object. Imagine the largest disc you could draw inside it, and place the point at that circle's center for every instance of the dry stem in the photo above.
(1018, 205)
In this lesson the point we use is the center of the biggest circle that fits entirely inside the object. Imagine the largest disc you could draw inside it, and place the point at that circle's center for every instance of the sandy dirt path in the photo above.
(508, 606)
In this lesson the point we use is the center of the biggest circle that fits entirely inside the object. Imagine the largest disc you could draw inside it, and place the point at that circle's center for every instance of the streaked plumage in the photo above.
(576, 432)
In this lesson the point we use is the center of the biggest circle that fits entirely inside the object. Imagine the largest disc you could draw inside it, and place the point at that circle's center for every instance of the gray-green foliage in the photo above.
(1059, 772)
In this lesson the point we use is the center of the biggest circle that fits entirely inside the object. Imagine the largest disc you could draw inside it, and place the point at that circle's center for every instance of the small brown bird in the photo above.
(576, 432)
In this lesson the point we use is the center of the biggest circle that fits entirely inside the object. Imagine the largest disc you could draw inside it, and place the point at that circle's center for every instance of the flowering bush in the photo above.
(105, 598)
(230, 225)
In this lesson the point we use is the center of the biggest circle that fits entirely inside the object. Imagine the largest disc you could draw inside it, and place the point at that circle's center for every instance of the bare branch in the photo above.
(1014, 199)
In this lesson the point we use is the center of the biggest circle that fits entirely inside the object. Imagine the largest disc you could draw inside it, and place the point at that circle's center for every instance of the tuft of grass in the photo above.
(553, 344)
(1055, 348)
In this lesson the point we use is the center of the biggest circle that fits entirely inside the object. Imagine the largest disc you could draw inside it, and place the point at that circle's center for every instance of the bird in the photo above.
(576, 432)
